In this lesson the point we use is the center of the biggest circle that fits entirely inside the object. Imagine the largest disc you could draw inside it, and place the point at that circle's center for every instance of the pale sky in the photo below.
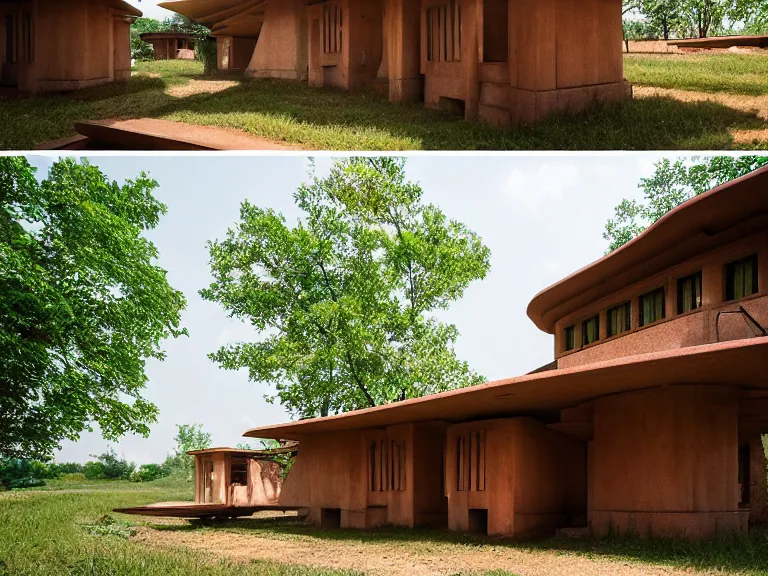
(541, 216)
(151, 9)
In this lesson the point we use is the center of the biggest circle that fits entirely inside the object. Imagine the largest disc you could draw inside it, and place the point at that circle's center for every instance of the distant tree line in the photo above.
(28, 473)
(665, 19)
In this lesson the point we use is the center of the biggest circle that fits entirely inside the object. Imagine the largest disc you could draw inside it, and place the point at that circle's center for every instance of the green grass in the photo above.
(68, 528)
(731, 73)
(327, 119)
(47, 532)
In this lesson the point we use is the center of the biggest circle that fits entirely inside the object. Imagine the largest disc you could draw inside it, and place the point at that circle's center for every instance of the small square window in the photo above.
(570, 338)
(619, 319)
(689, 293)
(652, 307)
(741, 278)
(590, 330)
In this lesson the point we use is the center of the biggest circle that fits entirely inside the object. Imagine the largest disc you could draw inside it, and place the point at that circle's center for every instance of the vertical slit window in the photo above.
(652, 307)
(590, 330)
(569, 338)
(741, 278)
(689, 293)
(10, 39)
(619, 319)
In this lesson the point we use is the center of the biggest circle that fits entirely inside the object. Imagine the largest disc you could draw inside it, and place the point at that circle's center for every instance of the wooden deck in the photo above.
(192, 510)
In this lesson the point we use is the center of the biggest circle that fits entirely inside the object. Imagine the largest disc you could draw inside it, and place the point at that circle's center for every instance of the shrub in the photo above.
(149, 472)
(207, 52)
(94, 470)
(23, 473)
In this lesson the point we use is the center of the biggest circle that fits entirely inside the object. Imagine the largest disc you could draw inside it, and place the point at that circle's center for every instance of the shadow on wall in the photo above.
(742, 554)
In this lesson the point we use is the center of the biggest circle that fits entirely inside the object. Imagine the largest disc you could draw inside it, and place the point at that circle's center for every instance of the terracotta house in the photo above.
(49, 45)
(503, 61)
(172, 45)
(649, 419)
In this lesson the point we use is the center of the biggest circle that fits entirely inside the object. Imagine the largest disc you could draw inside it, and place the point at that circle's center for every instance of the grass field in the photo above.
(68, 528)
(683, 102)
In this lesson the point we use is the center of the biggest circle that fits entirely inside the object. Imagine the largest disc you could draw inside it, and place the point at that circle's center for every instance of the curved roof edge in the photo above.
(719, 207)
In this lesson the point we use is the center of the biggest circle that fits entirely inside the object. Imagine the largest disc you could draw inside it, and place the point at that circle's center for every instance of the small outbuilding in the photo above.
(171, 45)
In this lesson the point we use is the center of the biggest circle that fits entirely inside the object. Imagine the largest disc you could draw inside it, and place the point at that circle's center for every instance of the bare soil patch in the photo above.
(412, 558)
(757, 105)
(195, 87)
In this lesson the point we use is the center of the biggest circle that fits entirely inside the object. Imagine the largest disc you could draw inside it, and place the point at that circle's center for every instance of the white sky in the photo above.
(542, 218)
(151, 9)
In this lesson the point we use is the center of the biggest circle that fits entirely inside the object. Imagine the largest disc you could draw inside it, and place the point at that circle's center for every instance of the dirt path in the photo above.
(395, 558)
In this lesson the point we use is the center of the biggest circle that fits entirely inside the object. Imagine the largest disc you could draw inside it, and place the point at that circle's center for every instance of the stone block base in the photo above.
(279, 74)
(406, 90)
(67, 85)
(530, 107)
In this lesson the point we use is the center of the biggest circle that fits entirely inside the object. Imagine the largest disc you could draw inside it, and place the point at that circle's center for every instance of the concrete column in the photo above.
(281, 50)
(666, 462)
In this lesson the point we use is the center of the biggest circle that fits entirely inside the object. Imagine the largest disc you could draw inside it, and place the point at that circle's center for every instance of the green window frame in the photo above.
(689, 293)
(590, 330)
(652, 307)
(569, 338)
(741, 278)
(619, 319)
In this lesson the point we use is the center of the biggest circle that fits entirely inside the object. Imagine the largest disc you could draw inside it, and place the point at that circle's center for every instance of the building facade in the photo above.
(48, 45)
(648, 420)
(502, 61)
(171, 46)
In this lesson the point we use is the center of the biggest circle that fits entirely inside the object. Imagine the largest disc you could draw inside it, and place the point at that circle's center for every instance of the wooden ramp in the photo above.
(204, 510)
(156, 134)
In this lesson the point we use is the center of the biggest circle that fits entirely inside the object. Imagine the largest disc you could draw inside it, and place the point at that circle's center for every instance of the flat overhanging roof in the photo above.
(741, 363)
(759, 41)
(167, 35)
(694, 227)
(241, 18)
(125, 8)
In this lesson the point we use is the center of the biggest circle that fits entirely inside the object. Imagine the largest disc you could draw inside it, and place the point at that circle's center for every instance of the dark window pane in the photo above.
(619, 319)
(741, 278)
(570, 338)
(652, 307)
(590, 330)
(689, 293)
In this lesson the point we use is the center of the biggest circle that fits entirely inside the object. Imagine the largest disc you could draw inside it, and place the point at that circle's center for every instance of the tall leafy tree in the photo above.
(344, 300)
(83, 304)
(671, 184)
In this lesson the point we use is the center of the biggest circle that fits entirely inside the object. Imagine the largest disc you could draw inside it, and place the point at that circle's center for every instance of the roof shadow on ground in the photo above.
(741, 554)
(312, 117)
(292, 112)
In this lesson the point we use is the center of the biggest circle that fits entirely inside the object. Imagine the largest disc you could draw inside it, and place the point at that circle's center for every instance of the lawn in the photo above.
(293, 113)
(68, 528)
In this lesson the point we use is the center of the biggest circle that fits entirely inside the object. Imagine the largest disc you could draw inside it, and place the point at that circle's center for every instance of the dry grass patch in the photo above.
(426, 558)
(195, 87)
(757, 105)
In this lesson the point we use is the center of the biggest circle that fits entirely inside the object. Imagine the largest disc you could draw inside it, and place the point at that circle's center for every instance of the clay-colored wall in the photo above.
(365, 44)
(535, 478)
(401, 57)
(665, 462)
(122, 49)
(675, 331)
(281, 49)
(242, 51)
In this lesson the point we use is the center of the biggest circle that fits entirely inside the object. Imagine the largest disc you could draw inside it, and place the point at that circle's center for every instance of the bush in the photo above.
(66, 468)
(149, 472)
(109, 467)
(23, 473)
(207, 52)
(93, 471)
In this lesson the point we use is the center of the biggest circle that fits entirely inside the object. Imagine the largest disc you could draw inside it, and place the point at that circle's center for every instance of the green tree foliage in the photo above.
(344, 299)
(188, 437)
(671, 184)
(694, 18)
(141, 50)
(206, 51)
(83, 304)
(108, 466)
